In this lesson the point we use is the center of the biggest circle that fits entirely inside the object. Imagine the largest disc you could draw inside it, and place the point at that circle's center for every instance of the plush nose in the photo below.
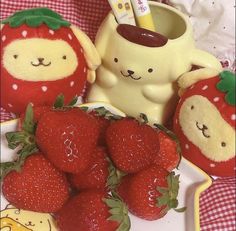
(130, 72)
(40, 59)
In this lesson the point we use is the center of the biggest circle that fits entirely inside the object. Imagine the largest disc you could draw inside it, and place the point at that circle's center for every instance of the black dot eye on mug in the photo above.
(150, 70)
(15, 56)
(192, 107)
(115, 60)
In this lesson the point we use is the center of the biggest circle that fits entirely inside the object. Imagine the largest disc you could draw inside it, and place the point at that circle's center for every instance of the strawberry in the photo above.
(90, 211)
(204, 122)
(96, 174)
(42, 56)
(133, 146)
(38, 186)
(38, 111)
(168, 156)
(150, 193)
(67, 137)
(102, 122)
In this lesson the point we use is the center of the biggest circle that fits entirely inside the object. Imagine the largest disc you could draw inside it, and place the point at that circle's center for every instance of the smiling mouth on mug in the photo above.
(130, 74)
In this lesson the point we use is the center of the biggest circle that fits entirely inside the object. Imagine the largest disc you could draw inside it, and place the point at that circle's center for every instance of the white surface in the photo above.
(213, 24)
(190, 179)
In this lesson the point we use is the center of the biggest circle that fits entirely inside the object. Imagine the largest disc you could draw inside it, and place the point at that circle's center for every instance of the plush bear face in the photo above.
(26, 220)
(207, 129)
(38, 59)
(204, 122)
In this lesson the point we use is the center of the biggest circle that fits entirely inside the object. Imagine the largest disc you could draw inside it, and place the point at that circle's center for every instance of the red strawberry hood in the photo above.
(40, 58)
(205, 124)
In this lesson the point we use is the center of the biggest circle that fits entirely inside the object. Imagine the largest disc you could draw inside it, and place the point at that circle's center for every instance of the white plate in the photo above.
(193, 181)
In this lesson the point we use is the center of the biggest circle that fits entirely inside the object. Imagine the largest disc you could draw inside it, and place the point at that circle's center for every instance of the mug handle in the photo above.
(204, 59)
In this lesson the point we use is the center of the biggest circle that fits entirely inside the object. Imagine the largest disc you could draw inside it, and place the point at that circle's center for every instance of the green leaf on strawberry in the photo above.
(169, 194)
(35, 17)
(24, 139)
(227, 85)
(118, 211)
(103, 112)
(114, 177)
(60, 102)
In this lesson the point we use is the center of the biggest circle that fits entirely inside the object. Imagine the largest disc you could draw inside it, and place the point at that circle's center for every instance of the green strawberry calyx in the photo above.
(24, 140)
(35, 17)
(114, 176)
(103, 112)
(227, 84)
(59, 103)
(169, 195)
(118, 211)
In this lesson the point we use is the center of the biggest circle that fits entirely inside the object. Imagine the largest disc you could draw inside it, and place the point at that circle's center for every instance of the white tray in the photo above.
(193, 181)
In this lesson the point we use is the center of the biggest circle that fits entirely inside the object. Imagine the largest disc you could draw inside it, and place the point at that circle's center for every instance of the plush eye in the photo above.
(223, 144)
(17, 219)
(15, 56)
(192, 107)
(41, 222)
(64, 56)
(115, 60)
(150, 70)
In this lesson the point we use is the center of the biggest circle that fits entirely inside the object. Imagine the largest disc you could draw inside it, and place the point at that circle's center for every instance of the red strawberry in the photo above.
(38, 111)
(102, 123)
(41, 58)
(38, 186)
(89, 211)
(67, 137)
(133, 146)
(150, 193)
(95, 176)
(205, 124)
(168, 156)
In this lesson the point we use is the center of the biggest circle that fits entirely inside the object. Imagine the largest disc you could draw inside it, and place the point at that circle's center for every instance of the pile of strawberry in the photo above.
(89, 168)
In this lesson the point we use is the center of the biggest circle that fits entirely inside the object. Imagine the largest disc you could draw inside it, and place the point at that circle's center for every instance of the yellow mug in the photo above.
(139, 78)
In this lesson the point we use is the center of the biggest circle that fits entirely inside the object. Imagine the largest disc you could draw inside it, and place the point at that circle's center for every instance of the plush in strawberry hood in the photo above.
(42, 56)
(205, 124)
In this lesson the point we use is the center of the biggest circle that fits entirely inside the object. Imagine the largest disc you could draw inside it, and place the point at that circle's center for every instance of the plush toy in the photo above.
(205, 121)
(42, 56)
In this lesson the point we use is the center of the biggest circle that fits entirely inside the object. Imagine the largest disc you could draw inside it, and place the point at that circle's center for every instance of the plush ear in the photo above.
(105, 33)
(91, 55)
(190, 78)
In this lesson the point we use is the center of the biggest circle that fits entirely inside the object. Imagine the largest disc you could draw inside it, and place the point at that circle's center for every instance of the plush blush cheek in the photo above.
(216, 141)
